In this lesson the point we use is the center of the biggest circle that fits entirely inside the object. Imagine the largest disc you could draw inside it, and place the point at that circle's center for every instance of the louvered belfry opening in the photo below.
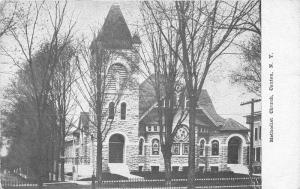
(117, 76)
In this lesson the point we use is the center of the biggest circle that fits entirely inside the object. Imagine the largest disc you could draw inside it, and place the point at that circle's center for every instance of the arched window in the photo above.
(141, 146)
(215, 148)
(117, 75)
(123, 110)
(111, 110)
(176, 149)
(185, 148)
(155, 147)
(202, 148)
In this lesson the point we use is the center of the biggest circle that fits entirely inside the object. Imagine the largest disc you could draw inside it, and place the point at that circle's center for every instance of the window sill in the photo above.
(214, 156)
(181, 155)
(155, 155)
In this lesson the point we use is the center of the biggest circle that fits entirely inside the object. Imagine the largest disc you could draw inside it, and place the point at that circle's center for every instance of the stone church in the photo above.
(132, 142)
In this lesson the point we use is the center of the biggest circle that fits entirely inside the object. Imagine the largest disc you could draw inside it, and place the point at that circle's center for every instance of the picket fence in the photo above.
(207, 183)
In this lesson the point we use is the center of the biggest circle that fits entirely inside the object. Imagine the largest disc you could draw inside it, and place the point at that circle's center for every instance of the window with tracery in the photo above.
(185, 148)
(176, 149)
(215, 148)
(202, 148)
(155, 147)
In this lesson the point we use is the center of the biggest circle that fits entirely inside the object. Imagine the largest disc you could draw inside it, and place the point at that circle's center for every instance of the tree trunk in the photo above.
(56, 169)
(40, 182)
(62, 150)
(40, 151)
(192, 118)
(52, 154)
(99, 156)
(62, 166)
(58, 152)
(167, 160)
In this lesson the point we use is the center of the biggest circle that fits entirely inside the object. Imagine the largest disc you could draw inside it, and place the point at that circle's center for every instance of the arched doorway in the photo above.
(234, 150)
(116, 148)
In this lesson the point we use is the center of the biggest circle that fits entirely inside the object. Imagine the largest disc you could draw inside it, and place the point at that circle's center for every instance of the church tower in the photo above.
(121, 107)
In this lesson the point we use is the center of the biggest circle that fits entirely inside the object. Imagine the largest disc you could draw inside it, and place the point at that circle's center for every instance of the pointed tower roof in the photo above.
(115, 33)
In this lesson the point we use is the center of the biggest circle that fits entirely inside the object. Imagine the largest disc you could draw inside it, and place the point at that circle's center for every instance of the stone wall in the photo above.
(128, 128)
(147, 159)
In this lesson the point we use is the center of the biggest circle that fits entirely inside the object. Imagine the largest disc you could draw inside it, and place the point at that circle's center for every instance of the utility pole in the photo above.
(252, 102)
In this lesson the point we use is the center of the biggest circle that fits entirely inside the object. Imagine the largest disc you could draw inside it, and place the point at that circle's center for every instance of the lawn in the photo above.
(155, 180)
(107, 176)
(183, 175)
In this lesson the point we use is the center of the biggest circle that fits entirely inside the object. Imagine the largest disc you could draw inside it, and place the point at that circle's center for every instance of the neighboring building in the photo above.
(132, 143)
(256, 140)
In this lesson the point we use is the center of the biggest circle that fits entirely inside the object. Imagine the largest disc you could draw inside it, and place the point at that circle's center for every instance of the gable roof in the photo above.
(206, 114)
(232, 125)
(115, 33)
(146, 95)
(206, 104)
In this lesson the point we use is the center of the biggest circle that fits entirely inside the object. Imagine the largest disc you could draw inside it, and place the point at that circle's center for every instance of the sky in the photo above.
(90, 16)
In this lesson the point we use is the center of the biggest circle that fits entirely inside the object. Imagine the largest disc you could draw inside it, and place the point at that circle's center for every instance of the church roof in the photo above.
(207, 106)
(115, 33)
(232, 125)
(206, 114)
(146, 95)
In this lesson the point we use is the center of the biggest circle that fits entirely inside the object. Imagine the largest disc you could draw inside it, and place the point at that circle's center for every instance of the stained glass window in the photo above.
(155, 147)
(185, 149)
(201, 151)
(215, 148)
(176, 149)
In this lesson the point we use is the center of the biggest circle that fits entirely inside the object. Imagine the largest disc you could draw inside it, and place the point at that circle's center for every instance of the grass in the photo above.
(107, 177)
(148, 175)
(183, 175)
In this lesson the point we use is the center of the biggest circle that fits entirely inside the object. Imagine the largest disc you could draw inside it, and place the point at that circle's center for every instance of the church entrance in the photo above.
(116, 148)
(234, 150)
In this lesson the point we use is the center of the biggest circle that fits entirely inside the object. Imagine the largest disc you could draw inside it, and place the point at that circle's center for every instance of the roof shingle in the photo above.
(206, 114)
(232, 125)
(115, 33)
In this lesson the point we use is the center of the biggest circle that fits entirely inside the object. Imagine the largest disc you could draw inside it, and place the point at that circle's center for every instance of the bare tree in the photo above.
(9, 11)
(249, 72)
(163, 68)
(252, 20)
(61, 93)
(27, 40)
(206, 30)
(98, 79)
